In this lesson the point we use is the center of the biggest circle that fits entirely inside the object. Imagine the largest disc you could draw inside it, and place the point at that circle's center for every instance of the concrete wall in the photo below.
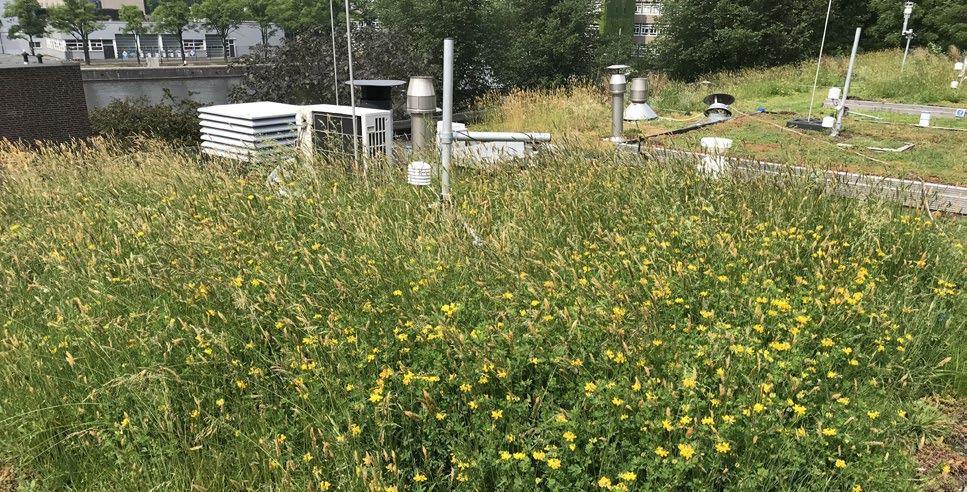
(42, 102)
(208, 85)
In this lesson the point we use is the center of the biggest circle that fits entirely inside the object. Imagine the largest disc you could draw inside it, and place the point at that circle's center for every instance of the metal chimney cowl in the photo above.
(420, 96)
(618, 83)
(639, 90)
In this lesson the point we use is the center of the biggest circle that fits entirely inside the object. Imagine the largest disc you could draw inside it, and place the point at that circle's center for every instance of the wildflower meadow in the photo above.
(586, 321)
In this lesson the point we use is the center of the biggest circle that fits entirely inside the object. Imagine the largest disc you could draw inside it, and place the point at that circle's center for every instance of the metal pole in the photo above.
(617, 85)
(838, 127)
(903, 64)
(819, 63)
(352, 90)
(446, 136)
(332, 28)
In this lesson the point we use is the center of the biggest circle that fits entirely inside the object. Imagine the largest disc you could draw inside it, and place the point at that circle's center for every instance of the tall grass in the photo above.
(169, 325)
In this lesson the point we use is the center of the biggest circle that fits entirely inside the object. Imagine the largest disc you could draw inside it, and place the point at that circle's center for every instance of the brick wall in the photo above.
(42, 102)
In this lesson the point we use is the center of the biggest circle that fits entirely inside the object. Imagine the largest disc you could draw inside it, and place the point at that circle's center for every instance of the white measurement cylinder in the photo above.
(829, 121)
(924, 120)
(418, 173)
(834, 93)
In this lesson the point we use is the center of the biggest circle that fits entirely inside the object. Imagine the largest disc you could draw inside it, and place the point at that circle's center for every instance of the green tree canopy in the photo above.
(133, 20)
(941, 23)
(77, 18)
(31, 20)
(704, 36)
(173, 17)
(545, 42)
(261, 12)
(221, 16)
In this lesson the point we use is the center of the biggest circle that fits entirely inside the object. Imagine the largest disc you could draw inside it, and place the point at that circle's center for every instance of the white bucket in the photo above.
(418, 173)
(715, 148)
(834, 93)
(924, 120)
(828, 121)
(954, 84)
(959, 66)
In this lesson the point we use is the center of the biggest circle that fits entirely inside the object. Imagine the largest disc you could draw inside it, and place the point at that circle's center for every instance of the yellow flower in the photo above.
(590, 387)
(604, 483)
(307, 457)
(686, 451)
(497, 414)
(662, 452)
(419, 478)
(945, 469)
(723, 447)
(799, 410)
(324, 485)
(628, 476)
(829, 431)
(538, 455)
(554, 463)
(689, 382)
(873, 415)
(569, 436)
(840, 464)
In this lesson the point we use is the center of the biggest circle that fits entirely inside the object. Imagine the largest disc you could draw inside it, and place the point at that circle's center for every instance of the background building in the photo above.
(103, 4)
(647, 13)
(110, 43)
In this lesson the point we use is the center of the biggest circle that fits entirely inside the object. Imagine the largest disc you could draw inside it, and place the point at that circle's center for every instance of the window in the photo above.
(35, 44)
(97, 45)
(73, 45)
(646, 30)
(646, 7)
(194, 44)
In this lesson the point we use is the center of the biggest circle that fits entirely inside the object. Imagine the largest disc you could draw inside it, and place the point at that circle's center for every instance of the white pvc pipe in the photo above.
(465, 136)
(849, 78)
(446, 137)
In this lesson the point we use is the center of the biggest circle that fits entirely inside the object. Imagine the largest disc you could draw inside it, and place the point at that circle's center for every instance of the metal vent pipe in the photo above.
(617, 84)
(421, 104)
(639, 90)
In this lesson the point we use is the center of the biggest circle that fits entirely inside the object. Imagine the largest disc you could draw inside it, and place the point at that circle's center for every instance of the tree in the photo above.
(617, 18)
(77, 18)
(173, 17)
(133, 24)
(260, 11)
(300, 71)
(31, 20)
(703, 36)
(939, 22)
(221, 16)
(469, 22)
(545, 42)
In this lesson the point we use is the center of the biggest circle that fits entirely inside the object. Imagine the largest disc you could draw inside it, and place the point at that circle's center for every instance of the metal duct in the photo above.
(421, 104)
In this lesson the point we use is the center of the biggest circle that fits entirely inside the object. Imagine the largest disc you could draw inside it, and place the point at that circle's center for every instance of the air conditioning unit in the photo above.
(327, 130)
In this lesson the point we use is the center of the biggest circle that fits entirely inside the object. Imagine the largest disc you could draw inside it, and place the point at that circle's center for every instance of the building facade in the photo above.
(101, 4)
(647, 14)
(111, 43)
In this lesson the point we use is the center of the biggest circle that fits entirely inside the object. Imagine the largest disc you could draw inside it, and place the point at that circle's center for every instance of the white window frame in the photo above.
(194, 44)
(96, 44)
(74, 45)
(644, 7)
(646, 29)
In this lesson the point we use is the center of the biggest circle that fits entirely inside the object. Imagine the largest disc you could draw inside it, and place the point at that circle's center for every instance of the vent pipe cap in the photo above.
(420, 96)
(639, 90)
